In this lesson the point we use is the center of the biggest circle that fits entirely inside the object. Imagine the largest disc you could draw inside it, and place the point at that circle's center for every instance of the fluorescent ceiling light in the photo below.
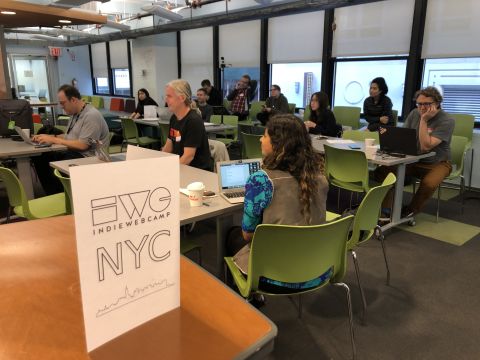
(63, 21)
(162, 12)
(48, 38)
(5, 12)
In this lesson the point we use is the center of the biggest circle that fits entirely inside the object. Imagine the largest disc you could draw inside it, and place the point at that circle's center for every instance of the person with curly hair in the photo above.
(291, 188)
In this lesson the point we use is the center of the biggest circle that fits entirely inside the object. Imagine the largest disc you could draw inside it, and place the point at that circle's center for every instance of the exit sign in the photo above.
(55, 51)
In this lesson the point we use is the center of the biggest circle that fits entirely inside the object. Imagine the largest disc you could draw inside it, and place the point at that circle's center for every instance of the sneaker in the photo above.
(407, 212)
(258, 300)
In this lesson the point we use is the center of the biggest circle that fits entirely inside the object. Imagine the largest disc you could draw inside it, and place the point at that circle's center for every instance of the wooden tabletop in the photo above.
(41, 311)
(12, 149)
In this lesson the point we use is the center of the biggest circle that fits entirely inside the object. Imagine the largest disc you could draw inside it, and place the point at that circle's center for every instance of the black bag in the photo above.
(49, 130)
(18, 111)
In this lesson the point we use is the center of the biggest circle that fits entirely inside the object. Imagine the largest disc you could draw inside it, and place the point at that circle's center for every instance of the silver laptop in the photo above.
(27, 139)
(232, 176)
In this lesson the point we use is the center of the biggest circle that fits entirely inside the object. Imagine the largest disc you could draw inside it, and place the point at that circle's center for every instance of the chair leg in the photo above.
(338, 199)
(300, 306)
(362, 294)
(199, 256)
(438, 201)
(9, 212)
(462, 191)
(381, 237)
(471, 170)
(350, 315)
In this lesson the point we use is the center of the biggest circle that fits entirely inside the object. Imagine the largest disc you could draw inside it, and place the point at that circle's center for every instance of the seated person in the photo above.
(277, 103)
(203, 106)
(187, 136)
(377, 108)
(289, 190)
(85, 125)
(215, 97)
(143, 99)
(322, 120)
(240, 98)
(434, 128)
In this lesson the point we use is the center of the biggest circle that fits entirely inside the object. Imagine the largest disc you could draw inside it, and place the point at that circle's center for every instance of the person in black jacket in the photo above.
(214, 96)
(275, 104)
(143, 99)
(377, 108)
(322, 121)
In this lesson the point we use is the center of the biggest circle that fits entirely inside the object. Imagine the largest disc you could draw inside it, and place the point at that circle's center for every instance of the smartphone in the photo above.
(354, 146)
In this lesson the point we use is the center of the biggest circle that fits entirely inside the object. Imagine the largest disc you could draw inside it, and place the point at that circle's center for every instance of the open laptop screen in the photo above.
(235, 175)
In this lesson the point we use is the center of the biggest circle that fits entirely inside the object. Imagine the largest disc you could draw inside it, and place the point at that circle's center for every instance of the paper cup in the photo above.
(26, 132)
(369, 142)
(370, 152)
(195, 193)
(301, 112)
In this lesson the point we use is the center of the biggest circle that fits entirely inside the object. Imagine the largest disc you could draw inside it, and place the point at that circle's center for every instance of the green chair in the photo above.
(130, 134)
(346, 169)
(188, 245)
(395, 117)
(251, 146)
(67, 188)
(62, 128)
(47, 206)
(291, 108)
(365, 226)
(360, 135)
(97, 102)
(36, 127)
(63, 120)
(306, 113)
(295, 254)
(255, 108)
(231, 135)
(216, 119)
(86, 98)
(464, 124)
(348, 116)
(226, 104)
(113, 149)
(458, 149)
(164, 129)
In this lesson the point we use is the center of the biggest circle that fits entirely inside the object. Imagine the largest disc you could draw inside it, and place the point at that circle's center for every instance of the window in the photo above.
(352, 81)
(121, 82)
(297, 81)
(232, 75)
(101, 86)
(458, 79)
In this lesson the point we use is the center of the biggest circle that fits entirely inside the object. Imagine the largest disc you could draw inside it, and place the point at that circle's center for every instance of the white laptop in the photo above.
(28, 140)
(232, 176)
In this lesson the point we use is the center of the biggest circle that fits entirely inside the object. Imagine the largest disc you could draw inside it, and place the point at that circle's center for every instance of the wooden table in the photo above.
(382, 160)
(41, 311)
(217, 208)
(21, 152)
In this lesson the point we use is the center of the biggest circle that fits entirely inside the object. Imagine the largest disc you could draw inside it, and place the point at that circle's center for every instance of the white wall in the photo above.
(75, 63)
(154, 63)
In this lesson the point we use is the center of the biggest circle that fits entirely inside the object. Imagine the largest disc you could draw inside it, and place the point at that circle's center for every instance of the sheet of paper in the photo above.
(340, 141)
(127, 231)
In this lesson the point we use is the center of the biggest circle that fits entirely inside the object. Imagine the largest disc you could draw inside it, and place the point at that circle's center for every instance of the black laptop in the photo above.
(398, 141)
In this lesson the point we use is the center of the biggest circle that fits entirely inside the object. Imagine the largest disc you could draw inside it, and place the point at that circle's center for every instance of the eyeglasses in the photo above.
(425, 104)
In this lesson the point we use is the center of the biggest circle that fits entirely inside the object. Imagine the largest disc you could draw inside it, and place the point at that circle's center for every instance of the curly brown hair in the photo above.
(293, 152)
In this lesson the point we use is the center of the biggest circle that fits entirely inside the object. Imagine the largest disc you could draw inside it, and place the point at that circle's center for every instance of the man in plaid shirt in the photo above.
(240, 98)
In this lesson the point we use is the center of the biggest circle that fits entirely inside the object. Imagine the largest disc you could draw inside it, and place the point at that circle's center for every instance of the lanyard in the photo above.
(75, 119)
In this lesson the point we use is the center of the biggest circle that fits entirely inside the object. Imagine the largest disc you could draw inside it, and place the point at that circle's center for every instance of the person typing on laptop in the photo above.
(290, 189)
(85, 125)
(434, 129)
(187, 136)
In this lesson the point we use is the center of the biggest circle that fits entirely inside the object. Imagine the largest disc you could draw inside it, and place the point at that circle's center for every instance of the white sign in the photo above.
(127, 229)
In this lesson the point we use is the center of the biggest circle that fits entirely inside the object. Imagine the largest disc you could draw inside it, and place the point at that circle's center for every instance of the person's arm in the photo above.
(387, 115)
(258, 196)
(208, 113)
(366, 112)
(188, 155)
(168, 147)
(232, 95)
(76, 145)
(427, 141)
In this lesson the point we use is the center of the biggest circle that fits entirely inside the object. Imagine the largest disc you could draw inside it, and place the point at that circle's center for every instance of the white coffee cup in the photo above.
(195, 193)
(26, 132)
(369, 142)
(301, 112)
(370, 152)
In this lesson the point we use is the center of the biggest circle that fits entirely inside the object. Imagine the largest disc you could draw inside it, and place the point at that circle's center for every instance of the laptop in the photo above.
(398, 141)
(28, 140)
(232, 176)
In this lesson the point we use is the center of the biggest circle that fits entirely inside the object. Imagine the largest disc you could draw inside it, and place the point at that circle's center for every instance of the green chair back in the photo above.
(216, 119)
(62, 128)
(348, 116)
(346, 169)
(164, 129)
(251, 145)
(226, 104)
(36, 127)
(360, 135)
(291, 108)
(296, 254)
(15, 192)
(129, 129)
(395, 117)
(97, 101)
(86, 98)
(464, 125)
(458, 147)
(231, 120)
(367, 214)
(306, 113)
(68, 191)
(255, 108)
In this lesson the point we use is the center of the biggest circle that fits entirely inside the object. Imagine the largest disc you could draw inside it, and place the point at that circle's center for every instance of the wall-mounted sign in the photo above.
(127, 231)
(55, 51)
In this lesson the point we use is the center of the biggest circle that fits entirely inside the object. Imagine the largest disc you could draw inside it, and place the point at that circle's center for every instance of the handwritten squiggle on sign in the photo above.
(137, 294)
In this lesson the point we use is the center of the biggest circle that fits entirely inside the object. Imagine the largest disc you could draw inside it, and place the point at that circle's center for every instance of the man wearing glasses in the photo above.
(277, 103)
(86, 125)
(434, 133)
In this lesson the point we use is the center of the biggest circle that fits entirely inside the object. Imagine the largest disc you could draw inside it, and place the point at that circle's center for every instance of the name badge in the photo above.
(241, 94)
(178, 138)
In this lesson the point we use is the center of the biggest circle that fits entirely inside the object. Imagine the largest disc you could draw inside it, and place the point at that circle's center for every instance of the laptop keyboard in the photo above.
(236, 194)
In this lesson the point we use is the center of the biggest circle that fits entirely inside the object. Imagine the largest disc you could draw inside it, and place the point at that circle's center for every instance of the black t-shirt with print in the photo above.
(190, 132)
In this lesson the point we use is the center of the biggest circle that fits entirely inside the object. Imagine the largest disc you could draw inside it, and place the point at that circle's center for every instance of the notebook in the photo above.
(232, 176)
(398, 141)
(27, 139)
